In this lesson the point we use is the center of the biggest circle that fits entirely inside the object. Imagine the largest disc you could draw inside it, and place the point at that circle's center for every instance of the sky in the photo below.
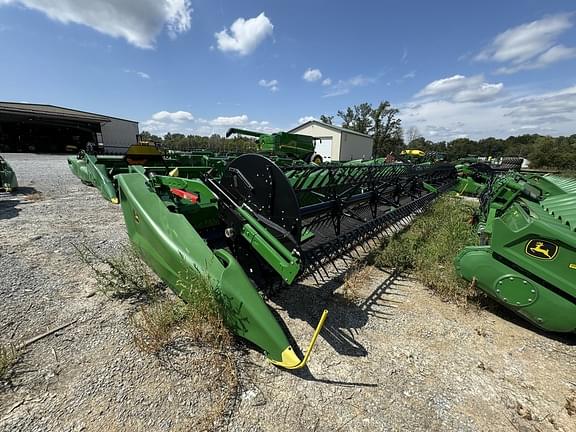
(453, 68)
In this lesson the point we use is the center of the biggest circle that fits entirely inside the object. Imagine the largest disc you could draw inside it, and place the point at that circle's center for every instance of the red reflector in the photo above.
(192, 197)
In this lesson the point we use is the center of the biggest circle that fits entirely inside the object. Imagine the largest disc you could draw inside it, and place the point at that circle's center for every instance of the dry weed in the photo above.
(8, 356)
(122, 276)
(354, 280)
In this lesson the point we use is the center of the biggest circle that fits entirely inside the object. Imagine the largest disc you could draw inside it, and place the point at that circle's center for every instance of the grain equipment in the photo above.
(472, 178)
(282, 143)
(257, 226)
(527, 257)
(99, 170)
(8, 181)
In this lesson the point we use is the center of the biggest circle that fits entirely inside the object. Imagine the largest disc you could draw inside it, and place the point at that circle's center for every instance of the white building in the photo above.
(334, 143)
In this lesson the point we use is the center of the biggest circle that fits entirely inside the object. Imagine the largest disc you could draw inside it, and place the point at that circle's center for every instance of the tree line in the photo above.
(382, 123)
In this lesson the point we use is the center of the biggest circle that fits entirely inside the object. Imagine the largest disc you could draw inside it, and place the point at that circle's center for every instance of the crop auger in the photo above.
(257, 224)
(527, 255)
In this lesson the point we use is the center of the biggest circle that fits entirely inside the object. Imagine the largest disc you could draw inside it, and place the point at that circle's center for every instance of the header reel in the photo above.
(315, 215)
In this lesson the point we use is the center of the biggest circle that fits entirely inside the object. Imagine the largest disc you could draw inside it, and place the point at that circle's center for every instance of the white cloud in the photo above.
(481, 93)
(327, 82)
(312, 75)
(404, 56)
(530, 46)
(272, 85)
(244, 35)
(230, 121)
(447, 85)
(140, 74)
(137, 21)
(460, 88)
(174, 117)
(447, 119)
(553, 55)
(305, 119)
(343, 87)
(184, 122)
(545, 105)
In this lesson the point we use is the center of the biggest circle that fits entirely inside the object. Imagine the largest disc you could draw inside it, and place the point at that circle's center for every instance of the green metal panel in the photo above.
(529, 261)
(8, 180)
(518, 292)
(171, 246)
(99, 171)
(563, 208)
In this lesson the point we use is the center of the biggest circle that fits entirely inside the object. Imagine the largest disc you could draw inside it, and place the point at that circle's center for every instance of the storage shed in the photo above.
(335, 143)
(47, 128)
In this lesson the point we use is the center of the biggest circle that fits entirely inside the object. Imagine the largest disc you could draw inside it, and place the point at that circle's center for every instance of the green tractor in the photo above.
(8, 181)
(283, 143)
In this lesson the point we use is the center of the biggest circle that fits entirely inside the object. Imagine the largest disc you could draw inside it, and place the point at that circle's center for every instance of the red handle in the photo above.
(192, 197)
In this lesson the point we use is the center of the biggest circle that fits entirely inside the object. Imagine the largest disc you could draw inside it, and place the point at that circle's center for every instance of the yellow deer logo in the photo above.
(541, 249)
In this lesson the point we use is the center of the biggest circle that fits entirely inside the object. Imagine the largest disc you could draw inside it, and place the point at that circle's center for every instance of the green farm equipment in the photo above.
(527, 254)
(8, 181)
(472, 178)
(100, 170)
(282, 143)
(257, 226)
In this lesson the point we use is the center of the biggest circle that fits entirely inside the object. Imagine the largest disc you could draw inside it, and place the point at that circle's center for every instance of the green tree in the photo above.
(386, 130)
(381, 122)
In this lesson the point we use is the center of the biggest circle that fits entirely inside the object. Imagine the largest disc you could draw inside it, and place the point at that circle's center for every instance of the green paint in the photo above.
(8, 181)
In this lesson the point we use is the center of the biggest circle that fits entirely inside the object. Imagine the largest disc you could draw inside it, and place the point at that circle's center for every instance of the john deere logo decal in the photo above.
(541, 249)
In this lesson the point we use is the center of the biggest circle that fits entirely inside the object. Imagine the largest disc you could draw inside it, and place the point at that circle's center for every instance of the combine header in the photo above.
(100, 170)
(527, 257)
(257, 226)
(295, 146)
(8, 181)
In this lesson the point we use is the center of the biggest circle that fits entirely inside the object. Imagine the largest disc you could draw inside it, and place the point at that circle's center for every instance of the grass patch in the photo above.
(163, 317)
(122, 276)
(193, 340)
(201, 319)
(163, 321)
(8, 356)
(354, 280)
(428, 247)
(190, 338)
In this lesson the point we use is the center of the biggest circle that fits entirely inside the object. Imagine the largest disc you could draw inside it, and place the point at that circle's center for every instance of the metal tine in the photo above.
(316, 269)
(315, 278)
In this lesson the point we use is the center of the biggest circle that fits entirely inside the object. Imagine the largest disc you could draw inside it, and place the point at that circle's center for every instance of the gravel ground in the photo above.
(396, 358)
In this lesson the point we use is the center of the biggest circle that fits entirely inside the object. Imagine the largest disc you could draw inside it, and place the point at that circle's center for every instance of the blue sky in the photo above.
(453, 68)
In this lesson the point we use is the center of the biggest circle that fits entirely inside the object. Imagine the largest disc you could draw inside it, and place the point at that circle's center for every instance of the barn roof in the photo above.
(44, 110)
(328, 126)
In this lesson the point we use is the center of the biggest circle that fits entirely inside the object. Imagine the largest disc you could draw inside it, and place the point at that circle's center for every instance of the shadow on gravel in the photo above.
(345, 317)
(10, 200)
(8, 208)
(305, 374)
